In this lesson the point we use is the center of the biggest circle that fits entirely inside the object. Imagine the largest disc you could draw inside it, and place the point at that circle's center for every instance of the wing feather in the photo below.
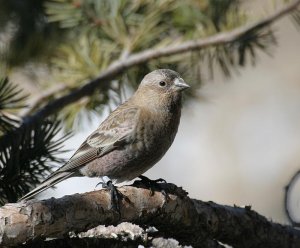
(116, 130)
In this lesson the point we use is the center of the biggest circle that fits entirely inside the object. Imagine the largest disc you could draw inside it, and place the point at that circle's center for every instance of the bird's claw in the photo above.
(100, 183)
(159, 180)
(149, 181)
(154, 184)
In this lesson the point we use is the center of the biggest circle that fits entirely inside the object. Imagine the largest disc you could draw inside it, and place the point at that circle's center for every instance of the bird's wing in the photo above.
(116, 130)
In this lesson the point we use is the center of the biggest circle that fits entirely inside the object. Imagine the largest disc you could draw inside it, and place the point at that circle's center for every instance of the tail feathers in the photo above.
(49, 182)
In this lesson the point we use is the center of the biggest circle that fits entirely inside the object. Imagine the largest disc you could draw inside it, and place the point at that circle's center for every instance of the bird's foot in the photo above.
(115, 195)
(154, 185)
(150, 181)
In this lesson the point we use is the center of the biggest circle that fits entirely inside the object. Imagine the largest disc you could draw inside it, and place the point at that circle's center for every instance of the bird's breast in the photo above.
(156, 132)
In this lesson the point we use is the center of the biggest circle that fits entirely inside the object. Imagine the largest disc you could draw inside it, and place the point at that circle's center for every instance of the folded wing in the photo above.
(117, 130)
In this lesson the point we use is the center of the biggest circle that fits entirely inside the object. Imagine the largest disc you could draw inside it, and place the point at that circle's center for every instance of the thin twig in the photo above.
(43, 97)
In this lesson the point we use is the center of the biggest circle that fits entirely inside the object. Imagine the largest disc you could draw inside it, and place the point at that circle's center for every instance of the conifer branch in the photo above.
(119, 66)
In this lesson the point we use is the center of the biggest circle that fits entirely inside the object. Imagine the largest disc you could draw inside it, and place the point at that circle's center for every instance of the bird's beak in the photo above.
(180, 84)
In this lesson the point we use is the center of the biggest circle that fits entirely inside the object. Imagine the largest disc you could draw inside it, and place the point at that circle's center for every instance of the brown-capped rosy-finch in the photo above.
(133, 137)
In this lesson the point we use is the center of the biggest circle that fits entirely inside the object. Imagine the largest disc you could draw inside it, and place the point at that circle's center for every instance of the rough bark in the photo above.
(191, 222)
(125, 235)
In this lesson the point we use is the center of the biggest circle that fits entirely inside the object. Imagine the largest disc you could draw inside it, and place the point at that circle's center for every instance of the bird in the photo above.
(133, 138)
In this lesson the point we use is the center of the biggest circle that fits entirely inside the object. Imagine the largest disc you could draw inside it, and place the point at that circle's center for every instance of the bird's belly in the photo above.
(128, 162)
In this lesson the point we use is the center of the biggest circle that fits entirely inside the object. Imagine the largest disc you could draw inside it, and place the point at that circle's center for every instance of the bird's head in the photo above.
(162, 87)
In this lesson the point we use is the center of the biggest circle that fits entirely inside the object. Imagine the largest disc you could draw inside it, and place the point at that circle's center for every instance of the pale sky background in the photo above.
(239, 143)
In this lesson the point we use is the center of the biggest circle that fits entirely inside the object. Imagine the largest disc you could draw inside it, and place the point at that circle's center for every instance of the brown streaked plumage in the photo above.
(134, 136)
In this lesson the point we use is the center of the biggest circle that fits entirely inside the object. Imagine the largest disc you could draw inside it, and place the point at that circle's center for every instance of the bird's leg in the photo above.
(115, 195)
(154, 184)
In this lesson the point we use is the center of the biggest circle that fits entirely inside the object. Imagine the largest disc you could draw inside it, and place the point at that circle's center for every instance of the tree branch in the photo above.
(121, 65)
(187, 220)
(43, 97)
(287, 197)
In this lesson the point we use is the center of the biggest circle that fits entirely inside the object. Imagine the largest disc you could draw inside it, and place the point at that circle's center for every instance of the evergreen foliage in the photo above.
(24, 31)
(28, 154)
(10, 100)
(100, 32)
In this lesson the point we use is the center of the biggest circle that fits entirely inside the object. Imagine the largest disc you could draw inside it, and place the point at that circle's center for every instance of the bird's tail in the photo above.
(49, 182)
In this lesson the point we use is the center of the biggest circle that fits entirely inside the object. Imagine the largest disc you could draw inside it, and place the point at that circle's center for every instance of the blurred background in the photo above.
(239, 139)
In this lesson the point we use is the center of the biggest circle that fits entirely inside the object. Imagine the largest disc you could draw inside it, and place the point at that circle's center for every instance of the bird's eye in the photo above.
(162, 83)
